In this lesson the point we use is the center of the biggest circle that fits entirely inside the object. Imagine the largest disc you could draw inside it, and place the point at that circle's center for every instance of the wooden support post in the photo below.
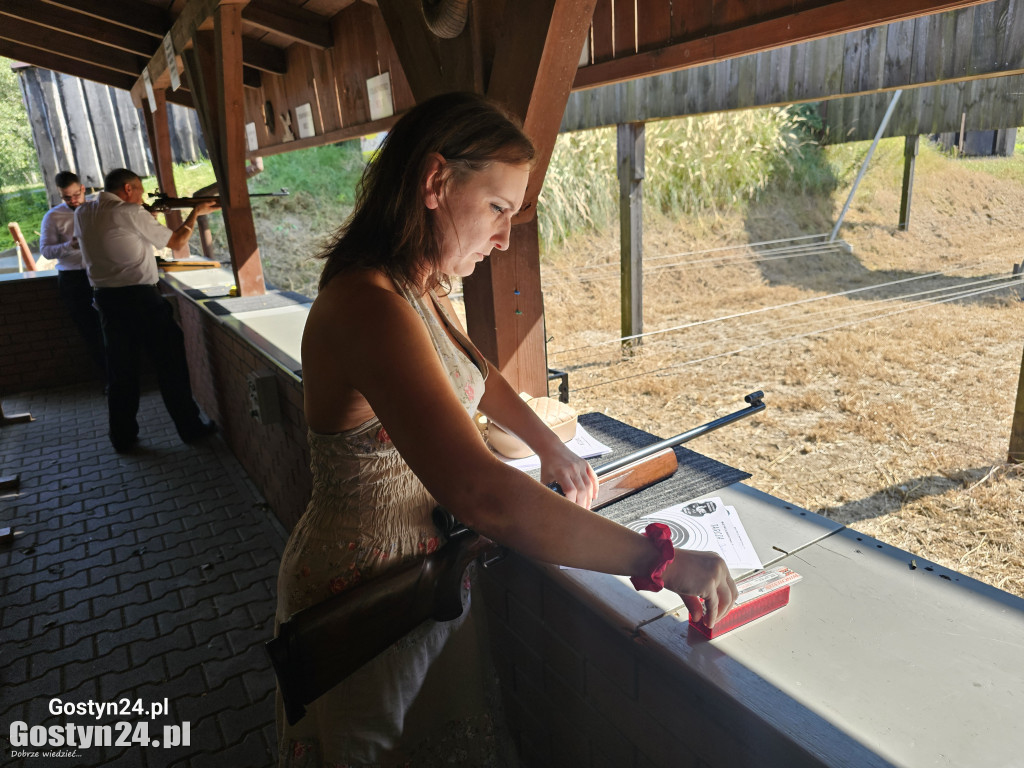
(1017, 428)
(238, 221)
(504, 300)
(529, 67)
(909, 156)
(534, 62)
(159, 132)
(205, 238)
(631, 147)
(213, 66)
(23, 249)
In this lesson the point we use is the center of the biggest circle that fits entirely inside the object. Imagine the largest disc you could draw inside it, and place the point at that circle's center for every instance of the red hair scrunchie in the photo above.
(661, 536)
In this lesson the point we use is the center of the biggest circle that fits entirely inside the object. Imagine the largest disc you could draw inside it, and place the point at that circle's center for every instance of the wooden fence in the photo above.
(92, 129)
(965, 62)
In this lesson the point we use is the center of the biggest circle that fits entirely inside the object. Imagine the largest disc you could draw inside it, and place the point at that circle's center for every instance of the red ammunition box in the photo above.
(760, 593)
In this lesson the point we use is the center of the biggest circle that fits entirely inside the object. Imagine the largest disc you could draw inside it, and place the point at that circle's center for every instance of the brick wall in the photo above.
(39, 344)
(580, 691)
(40, 347)
(276, 456)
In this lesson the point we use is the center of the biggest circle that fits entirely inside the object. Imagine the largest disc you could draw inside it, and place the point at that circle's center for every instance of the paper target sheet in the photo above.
(706, 525)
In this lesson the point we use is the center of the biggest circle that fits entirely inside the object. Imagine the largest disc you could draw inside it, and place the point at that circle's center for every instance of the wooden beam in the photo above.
(201, 73)
(331, 137)
(238, 221)
(506, 320)
(535, 61)
(159, 132)
(80, 25)
(290, 21)
(88, 51)
(825, 20)
(431, 65)
(910, 146)
(535, 58)
(213, 66)
(148, 19)
(83, 69)
(1017, 427)
(263, 57)
(630, 150)
(194, 15)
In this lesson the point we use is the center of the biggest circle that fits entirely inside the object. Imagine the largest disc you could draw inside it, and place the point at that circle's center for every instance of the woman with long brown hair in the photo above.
(392, 383)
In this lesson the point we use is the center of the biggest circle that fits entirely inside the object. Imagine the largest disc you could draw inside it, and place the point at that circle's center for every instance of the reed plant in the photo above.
(693, 165)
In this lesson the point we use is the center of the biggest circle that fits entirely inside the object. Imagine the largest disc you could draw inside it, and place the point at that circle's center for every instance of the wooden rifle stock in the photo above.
(319, 646)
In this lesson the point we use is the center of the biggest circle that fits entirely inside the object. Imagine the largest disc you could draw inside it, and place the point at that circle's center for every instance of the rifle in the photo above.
(162, 202)
(306, 655)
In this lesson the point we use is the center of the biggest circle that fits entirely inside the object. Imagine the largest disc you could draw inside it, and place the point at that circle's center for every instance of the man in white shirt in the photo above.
(117, 236)
(58, 243)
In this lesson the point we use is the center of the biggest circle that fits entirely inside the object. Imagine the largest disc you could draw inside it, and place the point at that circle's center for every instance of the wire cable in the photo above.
(818, 331)
(760, 310)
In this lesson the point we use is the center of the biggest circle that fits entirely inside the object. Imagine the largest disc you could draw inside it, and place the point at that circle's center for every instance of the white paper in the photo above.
(584, 445)
(706, 525)
(304, 118)
(149, 89)
(250, 137)
(379, 91)
(172, 62)
(369, 145)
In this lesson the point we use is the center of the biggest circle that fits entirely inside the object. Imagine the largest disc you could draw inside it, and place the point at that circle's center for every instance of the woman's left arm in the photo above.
(500, 403)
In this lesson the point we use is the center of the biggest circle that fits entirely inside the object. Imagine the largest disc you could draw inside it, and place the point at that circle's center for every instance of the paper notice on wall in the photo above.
(379, 90)
(706, 525)
(150, 96)
(304, 118)
(250, 137)
(172, 62)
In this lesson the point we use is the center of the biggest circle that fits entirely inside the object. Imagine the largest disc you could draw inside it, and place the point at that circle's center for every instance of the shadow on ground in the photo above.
(895, 497)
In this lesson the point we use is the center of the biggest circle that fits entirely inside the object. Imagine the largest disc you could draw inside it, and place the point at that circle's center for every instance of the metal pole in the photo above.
(864, 165)
(756, 405)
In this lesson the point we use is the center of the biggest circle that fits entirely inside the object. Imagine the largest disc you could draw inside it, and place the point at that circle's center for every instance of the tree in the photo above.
(19, 164)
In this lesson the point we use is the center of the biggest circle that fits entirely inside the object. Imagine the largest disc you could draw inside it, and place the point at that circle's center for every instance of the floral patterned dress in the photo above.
(428, 698)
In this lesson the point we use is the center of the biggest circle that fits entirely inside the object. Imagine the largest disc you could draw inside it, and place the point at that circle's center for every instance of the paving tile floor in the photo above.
(133, 579)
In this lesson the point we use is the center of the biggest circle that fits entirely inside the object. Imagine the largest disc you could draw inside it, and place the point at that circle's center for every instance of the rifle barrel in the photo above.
(756, 404)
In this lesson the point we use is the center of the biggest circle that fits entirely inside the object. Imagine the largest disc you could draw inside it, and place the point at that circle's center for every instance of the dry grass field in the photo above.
(889, 406)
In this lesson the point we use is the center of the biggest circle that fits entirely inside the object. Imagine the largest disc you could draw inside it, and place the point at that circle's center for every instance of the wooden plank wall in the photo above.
(332, 82)
(92, 129)
(988, 104)
(985, 41)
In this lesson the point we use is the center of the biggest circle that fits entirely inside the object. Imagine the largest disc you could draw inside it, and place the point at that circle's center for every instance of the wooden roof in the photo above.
(110, 41)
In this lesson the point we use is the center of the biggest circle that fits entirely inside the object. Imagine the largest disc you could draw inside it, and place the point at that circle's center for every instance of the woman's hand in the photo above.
(697, 576)
(575, 476)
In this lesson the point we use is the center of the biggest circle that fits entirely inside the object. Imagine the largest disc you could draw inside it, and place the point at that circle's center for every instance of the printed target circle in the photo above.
(685, 533)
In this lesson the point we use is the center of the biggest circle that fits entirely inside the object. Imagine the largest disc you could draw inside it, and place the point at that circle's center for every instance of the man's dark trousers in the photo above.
(137, 318)
(76, 293)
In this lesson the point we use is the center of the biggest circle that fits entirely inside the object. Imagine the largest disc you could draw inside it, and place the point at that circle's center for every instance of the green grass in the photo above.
(320, 182)
(328, 173)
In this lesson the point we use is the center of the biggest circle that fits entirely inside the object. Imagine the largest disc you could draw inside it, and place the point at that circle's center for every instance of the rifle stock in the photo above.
(319, 646)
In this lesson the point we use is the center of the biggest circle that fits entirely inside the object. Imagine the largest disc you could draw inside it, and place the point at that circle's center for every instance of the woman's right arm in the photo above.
(385, 353)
